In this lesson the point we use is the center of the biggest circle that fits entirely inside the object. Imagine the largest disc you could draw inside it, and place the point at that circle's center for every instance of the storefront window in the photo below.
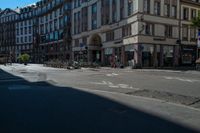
(147, 55)
(108, 54)
(168, 53)
(129, 54)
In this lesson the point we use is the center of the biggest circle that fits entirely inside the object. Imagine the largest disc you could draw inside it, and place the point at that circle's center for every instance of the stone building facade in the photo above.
(147, 31)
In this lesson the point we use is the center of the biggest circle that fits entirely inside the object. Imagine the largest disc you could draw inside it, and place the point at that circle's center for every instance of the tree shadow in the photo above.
(40, 107)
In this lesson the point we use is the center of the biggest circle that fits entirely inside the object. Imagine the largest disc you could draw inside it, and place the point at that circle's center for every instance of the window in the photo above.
(185, 32)
(94, 16)
(167, 10)
(30, 39)
(114, 13)
(126, 31)
(21, 29)
(55, 24)
(105, 12)
(17, 40)
(147, 6)
(130, 7)
(29, 29)
(22, 40)
(193, 13)
(149, 29)
(193, 34)
(174, 11)
(121, 9)
(157, 8)
(168, 30)
(110, 36)
(84, 19)
(25, 39)
(75, 23)
(76, 43)
(185, 13)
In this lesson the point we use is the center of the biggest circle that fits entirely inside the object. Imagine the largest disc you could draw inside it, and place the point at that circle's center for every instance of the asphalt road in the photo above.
(35, 99)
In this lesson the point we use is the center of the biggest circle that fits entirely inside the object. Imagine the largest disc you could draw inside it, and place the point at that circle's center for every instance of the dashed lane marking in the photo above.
(112, 85)
(181, 79)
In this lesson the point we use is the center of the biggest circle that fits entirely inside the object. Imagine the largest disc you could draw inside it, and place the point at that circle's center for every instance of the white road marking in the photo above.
(181, 79)
(112, 74)
(112, 85)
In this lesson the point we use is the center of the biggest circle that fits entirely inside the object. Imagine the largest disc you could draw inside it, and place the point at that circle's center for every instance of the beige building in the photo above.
(121, 30)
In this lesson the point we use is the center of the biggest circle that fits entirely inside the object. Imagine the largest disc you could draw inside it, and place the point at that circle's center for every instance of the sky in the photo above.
(15, 3)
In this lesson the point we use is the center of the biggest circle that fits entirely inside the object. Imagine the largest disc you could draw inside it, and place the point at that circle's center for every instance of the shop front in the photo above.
(168, 56)
(189, 55)
(108, 53)
(158, 55)
(147, 55)
(129, 54)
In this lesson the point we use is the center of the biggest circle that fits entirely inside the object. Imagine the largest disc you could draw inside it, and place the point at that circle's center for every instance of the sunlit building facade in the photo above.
(147, 31)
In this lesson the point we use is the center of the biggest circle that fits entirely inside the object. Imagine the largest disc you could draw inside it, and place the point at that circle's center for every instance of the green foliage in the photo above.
(24, 58)
(196, 22)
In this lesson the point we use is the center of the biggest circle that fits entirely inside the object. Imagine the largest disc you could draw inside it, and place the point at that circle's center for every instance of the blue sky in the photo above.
(14, 3)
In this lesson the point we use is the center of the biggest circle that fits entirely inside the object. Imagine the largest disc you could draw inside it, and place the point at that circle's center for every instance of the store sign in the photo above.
(198, 39)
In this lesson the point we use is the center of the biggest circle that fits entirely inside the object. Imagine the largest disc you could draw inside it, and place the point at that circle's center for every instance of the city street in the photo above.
(42, 99)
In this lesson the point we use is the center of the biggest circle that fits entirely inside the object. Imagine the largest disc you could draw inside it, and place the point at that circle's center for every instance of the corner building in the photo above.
(144, 30)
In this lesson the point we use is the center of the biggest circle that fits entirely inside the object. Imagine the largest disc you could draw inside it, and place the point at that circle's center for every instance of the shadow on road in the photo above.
(43, 108)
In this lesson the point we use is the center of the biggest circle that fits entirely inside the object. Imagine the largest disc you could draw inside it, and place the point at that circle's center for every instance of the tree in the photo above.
(24, 58)
(196, 22)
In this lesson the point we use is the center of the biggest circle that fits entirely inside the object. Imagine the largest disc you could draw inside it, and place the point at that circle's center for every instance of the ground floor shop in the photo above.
(54, 51)
(143, 55)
